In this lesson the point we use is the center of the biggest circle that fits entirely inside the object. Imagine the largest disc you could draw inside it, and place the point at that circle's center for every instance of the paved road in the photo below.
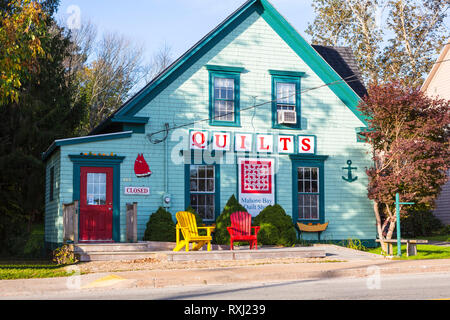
(391, 287)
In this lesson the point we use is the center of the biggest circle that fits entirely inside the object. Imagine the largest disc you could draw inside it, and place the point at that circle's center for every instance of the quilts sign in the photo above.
(256, 184)
(248, 142)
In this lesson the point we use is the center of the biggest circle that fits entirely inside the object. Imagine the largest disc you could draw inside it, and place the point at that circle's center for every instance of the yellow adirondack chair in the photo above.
(187, 225)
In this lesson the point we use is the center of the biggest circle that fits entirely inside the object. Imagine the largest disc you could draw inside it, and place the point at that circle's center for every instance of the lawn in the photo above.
(443, 238)
(29, 270)
(423, 252)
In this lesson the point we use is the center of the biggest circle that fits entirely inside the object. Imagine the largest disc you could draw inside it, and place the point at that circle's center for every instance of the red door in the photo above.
(96, 204)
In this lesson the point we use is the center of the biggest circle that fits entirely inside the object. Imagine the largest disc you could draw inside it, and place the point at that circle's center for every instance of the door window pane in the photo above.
(96, 189)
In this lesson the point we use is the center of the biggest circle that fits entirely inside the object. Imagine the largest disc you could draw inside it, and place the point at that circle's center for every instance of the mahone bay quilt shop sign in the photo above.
(256, 184)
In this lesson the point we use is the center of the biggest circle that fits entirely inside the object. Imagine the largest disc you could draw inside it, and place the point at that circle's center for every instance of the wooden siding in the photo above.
(255, 46)
(53, 209)
(437, 84)
(442, 211)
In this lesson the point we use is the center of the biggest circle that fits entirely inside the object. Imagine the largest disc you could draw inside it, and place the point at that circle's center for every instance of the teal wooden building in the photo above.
(251, 110)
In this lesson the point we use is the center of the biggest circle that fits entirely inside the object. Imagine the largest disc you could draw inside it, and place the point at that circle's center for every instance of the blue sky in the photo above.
(179, 23)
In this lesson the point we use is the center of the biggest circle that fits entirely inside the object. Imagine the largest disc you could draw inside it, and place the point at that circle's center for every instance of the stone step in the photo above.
(111, 247)
(116, 256)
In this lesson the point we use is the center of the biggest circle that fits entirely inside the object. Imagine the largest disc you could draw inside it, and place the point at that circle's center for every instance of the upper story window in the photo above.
(224, 95)
(286, 113)
(224, 99)
(286, 96)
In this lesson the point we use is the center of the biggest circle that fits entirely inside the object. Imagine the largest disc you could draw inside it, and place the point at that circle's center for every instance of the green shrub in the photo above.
(276, 227)
(221, 235)
(65, 256)
(160, 227)
(419, 223)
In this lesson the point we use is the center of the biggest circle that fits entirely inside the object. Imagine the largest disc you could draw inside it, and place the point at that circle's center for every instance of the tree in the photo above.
(161, 59)
(420, 33)
(349, 23)
(46, 110)
(402, 48)
(409, 134)
(22, 24)
(107, 71)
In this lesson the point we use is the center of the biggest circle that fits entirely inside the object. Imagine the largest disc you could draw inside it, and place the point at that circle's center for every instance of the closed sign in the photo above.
(137, 190)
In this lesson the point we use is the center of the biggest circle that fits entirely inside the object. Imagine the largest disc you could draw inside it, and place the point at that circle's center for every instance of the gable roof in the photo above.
(280, 25)
(343, 61)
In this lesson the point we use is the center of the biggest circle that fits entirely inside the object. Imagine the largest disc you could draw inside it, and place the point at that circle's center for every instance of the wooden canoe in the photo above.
(312, 228)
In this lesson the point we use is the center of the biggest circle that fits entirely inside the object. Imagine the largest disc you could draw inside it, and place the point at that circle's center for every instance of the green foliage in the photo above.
(34, 247)
(11, 272)
(46, 110)
(425, 251)
(160, 227)
(22, 27)
(65, 256)
(354, 244)
(276, 227)
(221, 235)
(419, 223)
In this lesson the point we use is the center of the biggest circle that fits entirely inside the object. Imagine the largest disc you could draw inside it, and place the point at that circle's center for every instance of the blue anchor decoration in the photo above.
(350, 177)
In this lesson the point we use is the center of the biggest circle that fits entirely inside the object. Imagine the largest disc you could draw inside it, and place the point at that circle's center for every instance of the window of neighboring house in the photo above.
(52, 183)
(202, 193)
(286, 100)
(224, 95)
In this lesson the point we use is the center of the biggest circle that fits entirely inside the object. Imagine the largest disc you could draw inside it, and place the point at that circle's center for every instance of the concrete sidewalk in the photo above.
(356, 264)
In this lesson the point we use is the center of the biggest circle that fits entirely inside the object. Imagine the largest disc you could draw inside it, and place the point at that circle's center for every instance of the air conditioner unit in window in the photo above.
(287, 117)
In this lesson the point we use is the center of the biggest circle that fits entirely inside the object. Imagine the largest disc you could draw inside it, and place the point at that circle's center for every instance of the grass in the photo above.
(29, 270)
(423, 252)
(442, 237)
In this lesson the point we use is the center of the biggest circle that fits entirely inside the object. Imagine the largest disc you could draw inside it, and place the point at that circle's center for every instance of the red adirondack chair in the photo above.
(241, 229)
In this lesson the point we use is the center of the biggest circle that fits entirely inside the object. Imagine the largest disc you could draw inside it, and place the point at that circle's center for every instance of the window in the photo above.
(224, 99)
(52, 184)
(308, 188)
(308, 193)
(96, 189)
(286, 99)
(202, 190)
(224, 95)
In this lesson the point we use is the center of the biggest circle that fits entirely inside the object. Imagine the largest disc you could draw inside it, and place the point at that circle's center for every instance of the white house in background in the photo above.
(437, 84)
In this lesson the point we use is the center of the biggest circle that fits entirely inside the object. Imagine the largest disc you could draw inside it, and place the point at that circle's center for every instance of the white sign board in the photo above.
(140, 191)
(256, 181)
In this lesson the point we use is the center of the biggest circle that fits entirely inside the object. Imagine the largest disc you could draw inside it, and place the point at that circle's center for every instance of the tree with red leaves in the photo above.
(409, 133)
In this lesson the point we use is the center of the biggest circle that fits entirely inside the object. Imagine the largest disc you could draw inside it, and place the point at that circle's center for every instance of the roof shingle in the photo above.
(343, 61)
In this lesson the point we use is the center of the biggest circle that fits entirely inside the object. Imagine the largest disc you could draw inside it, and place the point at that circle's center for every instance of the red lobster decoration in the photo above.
(141, 168)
